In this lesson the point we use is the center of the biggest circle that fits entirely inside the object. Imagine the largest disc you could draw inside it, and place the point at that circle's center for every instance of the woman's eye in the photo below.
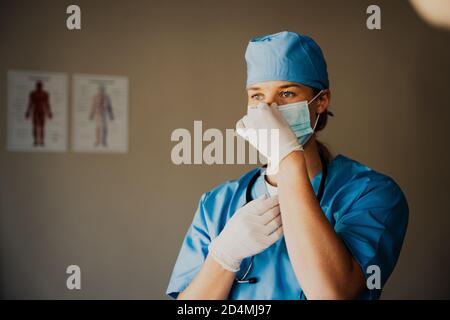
(287, 94)
(256, 96)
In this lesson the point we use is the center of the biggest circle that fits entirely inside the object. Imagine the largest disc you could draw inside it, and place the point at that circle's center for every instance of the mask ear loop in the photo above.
(315, 123)
(318, 114)
(314, 131)
(317, 119)
(315, 97)
(328, 112)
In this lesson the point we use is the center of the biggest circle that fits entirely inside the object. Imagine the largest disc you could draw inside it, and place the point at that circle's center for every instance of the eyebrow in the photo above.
(280, 87)
(289, 86)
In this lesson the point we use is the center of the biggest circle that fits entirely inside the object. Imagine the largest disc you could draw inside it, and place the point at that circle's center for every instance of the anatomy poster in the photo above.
(100, 113)
(37, 111)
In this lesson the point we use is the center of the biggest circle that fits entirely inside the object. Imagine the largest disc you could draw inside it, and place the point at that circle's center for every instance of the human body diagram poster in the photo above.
(37, 111)
(100, 113)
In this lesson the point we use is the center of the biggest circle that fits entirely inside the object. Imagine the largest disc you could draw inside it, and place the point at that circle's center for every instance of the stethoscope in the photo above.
(248, 198)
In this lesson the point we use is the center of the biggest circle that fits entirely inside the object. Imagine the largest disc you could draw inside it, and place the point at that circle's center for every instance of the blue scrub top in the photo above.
(367, 210)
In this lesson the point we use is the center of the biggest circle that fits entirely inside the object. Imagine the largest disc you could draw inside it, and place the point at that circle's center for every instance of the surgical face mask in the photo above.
(297, 115)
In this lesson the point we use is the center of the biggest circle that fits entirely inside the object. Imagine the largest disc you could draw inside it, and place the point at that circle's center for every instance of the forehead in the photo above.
(275, 85)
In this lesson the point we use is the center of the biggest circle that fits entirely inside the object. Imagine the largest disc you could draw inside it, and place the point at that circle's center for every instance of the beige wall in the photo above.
(122, 217)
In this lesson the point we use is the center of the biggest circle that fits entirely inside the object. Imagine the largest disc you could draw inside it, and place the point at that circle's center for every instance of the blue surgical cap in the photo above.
(286, 56)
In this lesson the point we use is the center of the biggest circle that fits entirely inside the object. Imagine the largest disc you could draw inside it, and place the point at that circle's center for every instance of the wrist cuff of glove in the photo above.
(223, 259)
(274, 164)
(294, 146)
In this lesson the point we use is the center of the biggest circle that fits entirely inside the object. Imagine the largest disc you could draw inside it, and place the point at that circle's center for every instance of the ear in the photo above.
(323, 101)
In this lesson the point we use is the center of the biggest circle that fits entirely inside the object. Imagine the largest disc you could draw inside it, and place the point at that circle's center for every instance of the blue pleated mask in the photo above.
(297, 115)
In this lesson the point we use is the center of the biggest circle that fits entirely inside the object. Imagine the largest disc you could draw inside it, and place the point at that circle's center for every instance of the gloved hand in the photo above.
(252, 229)
(270, 118)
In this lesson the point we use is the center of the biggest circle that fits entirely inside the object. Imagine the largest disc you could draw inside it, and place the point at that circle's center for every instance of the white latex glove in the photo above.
(252, 229)
(260, 128)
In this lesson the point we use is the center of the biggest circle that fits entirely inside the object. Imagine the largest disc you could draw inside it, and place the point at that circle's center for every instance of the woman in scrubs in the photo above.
(316, 227)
